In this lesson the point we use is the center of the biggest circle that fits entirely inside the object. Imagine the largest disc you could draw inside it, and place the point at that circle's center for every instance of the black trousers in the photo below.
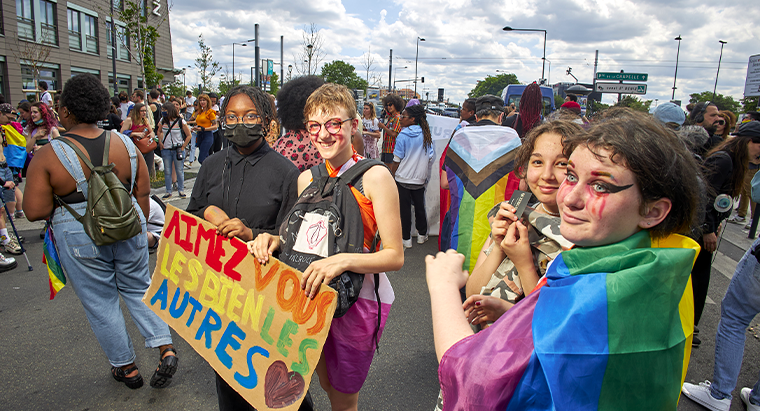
(230, 400)
(700, 280)
(406, 199)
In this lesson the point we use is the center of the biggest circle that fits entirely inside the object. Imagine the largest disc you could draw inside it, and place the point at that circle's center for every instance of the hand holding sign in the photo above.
(245, 319)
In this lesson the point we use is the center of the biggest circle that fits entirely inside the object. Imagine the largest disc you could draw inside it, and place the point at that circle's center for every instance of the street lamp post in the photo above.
(184, 83)
(549, 80)
(394, 77)
(233, 56)
(311, 49)
(419, 39)
(290, 70)
(716, 74)
(678, 52)
(543, 65)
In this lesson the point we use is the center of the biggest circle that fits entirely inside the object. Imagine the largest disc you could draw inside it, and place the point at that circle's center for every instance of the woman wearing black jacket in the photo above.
(724, 170)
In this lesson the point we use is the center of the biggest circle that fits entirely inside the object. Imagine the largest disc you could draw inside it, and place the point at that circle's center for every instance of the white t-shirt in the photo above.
(47, 99)
(155, 221)
(125, 109)
(190, 101)
(370, 124)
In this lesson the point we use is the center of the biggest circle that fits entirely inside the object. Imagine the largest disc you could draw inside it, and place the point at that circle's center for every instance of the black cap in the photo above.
(488, 102)
(750, 129)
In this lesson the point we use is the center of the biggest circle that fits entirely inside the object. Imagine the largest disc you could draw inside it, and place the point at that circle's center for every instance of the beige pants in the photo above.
(746, 196)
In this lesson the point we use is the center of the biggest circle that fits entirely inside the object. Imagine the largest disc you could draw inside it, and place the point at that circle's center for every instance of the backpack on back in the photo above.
(326, 220)
(110, 216)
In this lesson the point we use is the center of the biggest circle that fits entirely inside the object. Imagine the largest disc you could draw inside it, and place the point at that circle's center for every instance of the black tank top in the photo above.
(94, 148)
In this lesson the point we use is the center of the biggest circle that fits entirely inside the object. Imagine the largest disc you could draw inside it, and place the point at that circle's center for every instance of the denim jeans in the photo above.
(170, 160)
(739, 307)
(191, 148)
(99, 275)
(204, 139)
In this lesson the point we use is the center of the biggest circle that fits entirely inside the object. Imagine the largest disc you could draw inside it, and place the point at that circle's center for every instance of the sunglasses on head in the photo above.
(721, 122)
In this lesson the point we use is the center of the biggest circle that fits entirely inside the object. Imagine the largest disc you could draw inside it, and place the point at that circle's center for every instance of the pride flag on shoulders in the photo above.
(611, 329)
(479, 158)
(50, 258)
(14, 147)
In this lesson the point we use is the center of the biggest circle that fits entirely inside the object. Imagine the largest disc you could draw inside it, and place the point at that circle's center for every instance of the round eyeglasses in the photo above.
(249, 120)
(332, 126)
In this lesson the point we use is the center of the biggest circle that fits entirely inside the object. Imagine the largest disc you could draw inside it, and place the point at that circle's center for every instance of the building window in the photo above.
(91, 33)
(124, 83)
(143, 8)
(122, 41)
(118, 5)
(75, 71)
(25, 19)
(75, 33)
(49, 32)
(50, 74)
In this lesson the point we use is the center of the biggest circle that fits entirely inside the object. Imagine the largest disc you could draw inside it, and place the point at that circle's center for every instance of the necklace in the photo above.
(549, 212)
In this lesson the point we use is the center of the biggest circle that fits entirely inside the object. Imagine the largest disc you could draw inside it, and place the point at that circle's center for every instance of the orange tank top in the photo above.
(365, 206)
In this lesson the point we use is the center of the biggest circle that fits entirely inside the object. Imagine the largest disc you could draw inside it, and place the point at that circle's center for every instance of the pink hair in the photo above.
(49, 121)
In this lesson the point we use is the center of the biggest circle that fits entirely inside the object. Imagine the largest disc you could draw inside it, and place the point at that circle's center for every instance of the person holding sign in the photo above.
(348, 351)
(245, 189)
(100, 274)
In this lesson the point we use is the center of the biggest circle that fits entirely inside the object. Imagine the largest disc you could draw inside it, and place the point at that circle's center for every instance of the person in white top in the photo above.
(189, 100)
(46, 97)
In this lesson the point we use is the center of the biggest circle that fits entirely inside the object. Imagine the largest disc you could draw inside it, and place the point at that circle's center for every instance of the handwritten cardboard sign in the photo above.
(252, 323)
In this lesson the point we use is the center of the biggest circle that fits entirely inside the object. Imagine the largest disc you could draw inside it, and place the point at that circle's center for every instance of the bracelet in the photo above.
(202, 128)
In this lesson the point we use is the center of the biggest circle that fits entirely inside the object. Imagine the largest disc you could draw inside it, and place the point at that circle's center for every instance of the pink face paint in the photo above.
(602, 174)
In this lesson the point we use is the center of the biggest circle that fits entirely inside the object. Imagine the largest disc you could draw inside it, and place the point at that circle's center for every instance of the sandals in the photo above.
(166, 369)
(120, 375)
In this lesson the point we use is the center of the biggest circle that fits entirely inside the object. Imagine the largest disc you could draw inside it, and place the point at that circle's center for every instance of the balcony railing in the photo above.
(92, 44)
(25, 28)
(75, 40)
(49, 33)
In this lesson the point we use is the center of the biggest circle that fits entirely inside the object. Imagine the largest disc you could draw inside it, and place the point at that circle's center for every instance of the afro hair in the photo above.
(86, 98)
(291, 100)
(394, 99)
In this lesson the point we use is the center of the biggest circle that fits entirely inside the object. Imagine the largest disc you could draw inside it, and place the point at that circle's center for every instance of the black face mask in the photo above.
(242, 136)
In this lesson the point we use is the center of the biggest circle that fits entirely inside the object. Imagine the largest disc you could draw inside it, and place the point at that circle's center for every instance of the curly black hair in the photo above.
(291, 100)
(394, 99)
(260, 100)
(86, 98)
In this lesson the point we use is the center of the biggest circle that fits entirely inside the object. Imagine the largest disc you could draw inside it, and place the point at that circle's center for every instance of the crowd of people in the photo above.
(606, 270)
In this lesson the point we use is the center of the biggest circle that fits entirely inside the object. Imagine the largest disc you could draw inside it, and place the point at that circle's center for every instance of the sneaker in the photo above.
(421, 239)
(748, 226)
(737, 220)
(745, 397)
(701, 395)
(20, 238)
(12, 247)
(18, 214)
(7, 263)
(407, 243)
(182, 195)
(695, 341)
(167, 195)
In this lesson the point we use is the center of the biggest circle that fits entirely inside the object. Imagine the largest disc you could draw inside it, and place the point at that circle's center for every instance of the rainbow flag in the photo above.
(15, 151)
(56, 277)
(611, 329)
(478, 161)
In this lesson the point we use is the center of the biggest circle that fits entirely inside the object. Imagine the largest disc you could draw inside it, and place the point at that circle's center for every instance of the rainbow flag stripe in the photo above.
(15, 151)
(611, 329)
(56, 277)
(480, 158)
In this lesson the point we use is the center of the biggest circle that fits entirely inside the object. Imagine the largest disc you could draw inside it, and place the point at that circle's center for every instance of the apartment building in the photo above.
(78, 36)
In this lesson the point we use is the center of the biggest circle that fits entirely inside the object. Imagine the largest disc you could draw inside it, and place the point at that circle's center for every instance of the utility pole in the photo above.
(256, 52)
(282, 61)
(113, 52)
(390, 71)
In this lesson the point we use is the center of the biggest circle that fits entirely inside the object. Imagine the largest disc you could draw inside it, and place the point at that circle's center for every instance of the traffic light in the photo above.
(423, 79)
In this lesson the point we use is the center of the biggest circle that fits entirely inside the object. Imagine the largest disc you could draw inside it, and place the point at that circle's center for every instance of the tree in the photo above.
(274, 84)
(143, 36)
(307, 61)
(340, 72)
(493, 85)
(207, 67)
(749, 104)
(723, 102)
(33, 54)
(634, 103)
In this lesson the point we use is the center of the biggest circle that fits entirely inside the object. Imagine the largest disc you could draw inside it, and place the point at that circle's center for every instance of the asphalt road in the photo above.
(52, 361)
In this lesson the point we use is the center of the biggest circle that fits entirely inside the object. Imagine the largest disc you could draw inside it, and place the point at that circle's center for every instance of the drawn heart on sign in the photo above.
(282, 388)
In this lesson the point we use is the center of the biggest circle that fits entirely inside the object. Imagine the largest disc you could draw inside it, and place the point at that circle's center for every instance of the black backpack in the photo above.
(331, 200)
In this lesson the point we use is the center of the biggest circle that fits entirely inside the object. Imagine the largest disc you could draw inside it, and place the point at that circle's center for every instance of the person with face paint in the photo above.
(245, 189)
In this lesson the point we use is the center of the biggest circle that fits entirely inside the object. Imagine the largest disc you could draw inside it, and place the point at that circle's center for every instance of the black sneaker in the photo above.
(695, 342)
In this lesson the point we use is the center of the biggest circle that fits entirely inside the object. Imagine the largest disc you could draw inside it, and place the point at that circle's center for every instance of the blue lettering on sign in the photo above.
(162, 294)
(207, 326)
(251, 381)
(228, 339)
(173, 310)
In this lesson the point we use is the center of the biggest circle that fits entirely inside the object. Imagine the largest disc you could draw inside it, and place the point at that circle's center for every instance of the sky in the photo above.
(464, 40)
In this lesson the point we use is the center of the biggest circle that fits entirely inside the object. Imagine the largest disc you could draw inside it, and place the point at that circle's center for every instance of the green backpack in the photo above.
(110, 214)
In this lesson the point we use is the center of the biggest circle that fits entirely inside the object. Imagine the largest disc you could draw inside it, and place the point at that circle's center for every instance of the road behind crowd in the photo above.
(52, 361)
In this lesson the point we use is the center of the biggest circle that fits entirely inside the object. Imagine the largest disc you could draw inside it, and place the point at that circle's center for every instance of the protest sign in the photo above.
(252, 323)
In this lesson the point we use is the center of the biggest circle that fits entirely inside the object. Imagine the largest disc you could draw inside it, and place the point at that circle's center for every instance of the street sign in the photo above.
(752, 83)
(270, 67)
(621, 88)
(622, 76)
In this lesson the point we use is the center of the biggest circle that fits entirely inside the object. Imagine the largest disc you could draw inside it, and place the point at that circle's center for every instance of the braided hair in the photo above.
(260, 101)
(417, 112)
(530, 108)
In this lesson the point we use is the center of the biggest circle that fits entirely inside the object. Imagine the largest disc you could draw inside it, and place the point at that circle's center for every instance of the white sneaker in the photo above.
(745, 397)
(737, 220)
(407, 243)
(421, 239)
(701, 395)
(7, 263)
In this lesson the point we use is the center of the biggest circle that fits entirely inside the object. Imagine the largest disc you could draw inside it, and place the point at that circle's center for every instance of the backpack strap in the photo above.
(68, 154)
(131, 150)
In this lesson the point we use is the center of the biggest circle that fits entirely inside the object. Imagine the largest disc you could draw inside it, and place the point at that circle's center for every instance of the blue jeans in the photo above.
(191, 148)
(99, 275)
(739, 307)
(170, 159)
(204, 140)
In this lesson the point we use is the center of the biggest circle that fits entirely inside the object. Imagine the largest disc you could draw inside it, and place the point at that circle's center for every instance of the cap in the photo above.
(572, 106)
(751, 129)
(412, 102)
(670, 113)
(6, 108)
(488, 102)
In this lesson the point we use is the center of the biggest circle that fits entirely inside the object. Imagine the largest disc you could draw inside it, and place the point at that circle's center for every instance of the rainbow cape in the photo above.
(478, 161)
(611, 329)
(56, 277)
(15, 151)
